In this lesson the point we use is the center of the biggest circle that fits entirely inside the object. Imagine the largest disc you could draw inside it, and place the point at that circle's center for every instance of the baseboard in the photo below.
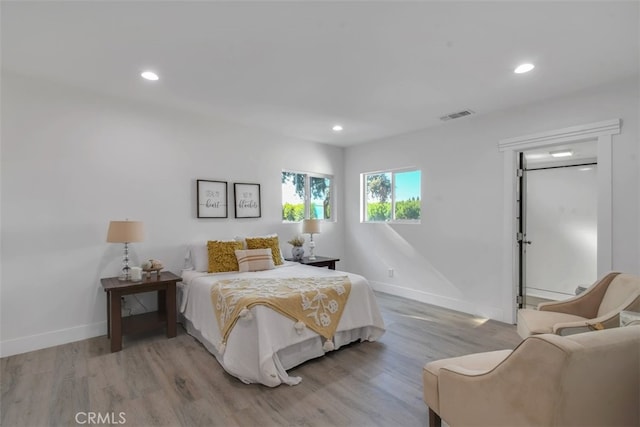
(439, 300)
(51, 339)
(64, 336)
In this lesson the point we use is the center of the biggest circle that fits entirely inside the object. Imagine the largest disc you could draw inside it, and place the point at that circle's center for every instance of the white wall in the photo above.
(454, 258)
(72, 161)
(562, 223)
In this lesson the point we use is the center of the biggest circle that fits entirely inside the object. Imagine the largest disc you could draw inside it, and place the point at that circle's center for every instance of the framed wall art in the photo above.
(247, 200)
(212, 199)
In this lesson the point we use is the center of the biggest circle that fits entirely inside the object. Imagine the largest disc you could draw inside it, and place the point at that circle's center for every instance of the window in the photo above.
(392, 196)
(306, 195)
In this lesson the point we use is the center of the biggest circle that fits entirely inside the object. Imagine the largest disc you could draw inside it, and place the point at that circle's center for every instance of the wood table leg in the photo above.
(116, 321)
(108, 314)
(162, 301)
(434, 419)
(171, 310)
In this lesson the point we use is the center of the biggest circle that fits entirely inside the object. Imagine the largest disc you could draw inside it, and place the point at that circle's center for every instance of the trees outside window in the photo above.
(306, 195)
(391, 196)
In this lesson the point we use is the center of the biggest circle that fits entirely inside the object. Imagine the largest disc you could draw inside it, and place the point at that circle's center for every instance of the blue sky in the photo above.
(407, 185)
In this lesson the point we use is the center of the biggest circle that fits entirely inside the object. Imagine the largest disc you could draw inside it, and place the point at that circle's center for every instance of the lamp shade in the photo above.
(125, 232)
(310, 226)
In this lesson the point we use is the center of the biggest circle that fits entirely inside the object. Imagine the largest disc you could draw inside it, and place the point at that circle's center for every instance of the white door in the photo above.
(560, 225)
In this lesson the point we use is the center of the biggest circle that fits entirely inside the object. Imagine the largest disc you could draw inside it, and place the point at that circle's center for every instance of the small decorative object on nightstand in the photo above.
(136, 274)
(152, 266)
(297, 251)
(311, 226)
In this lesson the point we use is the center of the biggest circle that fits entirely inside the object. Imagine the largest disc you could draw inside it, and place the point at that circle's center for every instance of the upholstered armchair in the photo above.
(598, 307)
(588, 379)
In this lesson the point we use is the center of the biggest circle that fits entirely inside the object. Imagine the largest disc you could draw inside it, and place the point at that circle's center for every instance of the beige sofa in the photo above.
(598, 307)
(588, 379)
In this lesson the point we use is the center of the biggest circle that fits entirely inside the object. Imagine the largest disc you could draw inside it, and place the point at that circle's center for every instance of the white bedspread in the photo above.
(263, 346)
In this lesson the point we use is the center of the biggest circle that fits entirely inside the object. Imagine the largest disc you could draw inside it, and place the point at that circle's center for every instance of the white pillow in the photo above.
(240, 239)
(199, 256)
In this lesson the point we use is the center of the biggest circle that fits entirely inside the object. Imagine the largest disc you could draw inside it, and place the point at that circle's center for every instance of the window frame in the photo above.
(364, 195)
(307, 194)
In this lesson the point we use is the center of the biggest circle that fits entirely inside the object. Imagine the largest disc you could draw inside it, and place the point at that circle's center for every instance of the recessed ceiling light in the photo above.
(534, 156)
(524, 68)
(588, 168)
(337, 128)
(149, 75)
(561, 153)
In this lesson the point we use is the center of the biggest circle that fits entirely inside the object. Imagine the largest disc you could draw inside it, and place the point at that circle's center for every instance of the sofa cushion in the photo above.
(532, 322)
(479, 363)
(619, 290)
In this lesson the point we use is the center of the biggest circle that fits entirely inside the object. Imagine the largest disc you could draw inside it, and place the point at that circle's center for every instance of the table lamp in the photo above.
(125, 232)
(311, 226)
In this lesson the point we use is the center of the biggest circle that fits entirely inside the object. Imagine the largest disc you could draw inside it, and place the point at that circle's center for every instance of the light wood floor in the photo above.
(156, 381)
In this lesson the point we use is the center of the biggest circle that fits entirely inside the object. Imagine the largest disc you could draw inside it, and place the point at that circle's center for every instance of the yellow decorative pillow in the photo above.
(222, 255)
(264, 243)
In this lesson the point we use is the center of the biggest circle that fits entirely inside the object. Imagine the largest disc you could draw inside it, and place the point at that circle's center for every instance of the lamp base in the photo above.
(126, 270)
(312, 246)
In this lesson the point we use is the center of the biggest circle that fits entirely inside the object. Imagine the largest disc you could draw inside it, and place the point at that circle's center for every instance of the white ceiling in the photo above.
(297, 68)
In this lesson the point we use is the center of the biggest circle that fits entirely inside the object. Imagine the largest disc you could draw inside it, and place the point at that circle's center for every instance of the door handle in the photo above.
(528, 242)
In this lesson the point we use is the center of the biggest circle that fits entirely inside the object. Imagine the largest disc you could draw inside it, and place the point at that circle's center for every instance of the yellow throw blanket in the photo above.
(318, 302)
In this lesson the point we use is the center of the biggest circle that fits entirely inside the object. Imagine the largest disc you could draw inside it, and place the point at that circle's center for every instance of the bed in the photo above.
(263, 344)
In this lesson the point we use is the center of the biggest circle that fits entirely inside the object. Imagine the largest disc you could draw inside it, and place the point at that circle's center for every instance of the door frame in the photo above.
(602, 132)
(521, 227)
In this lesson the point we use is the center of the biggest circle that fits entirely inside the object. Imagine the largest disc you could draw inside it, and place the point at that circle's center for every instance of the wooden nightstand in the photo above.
(164, 283)
(320, 261)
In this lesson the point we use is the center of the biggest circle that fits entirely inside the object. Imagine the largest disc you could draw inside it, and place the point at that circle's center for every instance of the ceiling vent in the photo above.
(457, 115)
